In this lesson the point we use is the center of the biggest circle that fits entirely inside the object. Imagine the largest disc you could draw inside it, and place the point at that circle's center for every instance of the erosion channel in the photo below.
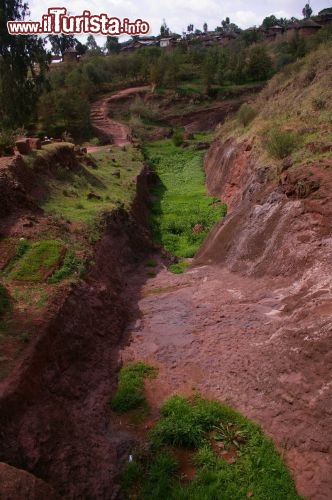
(247, 324)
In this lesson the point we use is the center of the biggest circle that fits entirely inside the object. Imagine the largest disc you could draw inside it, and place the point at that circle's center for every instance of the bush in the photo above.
(177, 138)
(246, 114)
(280, 143)
(7, 142)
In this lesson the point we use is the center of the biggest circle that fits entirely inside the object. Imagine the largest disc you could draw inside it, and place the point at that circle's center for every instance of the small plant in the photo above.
(246, 114)
(150, 263)
(177, 138)
(229, 434)
(71, 264)
(179, 267)
(319, 103)
(130, 391)
(280, 143)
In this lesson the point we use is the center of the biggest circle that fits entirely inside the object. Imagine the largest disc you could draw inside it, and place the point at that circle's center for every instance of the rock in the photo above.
(198, 228)
(34, 142)
(23, 146)
(93, 196)
(287, 163)
(17, 484)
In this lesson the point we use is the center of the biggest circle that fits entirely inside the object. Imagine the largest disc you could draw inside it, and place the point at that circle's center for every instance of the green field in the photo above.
(182, 212)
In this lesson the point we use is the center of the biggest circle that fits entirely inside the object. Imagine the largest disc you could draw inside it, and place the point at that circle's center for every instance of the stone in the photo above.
(23, 146)
(34, 142)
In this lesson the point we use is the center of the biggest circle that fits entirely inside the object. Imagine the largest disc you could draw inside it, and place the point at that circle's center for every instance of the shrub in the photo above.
(280, 143)
(246, 114)
(7, 141)
(177, 138)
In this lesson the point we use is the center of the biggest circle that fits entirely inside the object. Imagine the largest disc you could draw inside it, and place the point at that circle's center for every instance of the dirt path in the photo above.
(240, 340)
(104, 125)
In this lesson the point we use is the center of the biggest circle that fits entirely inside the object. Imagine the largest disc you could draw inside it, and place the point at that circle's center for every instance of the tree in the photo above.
(260, 63)
(23, 63)
(227, 26)
(92, 46)
(112, 45)
(205, 27)
(164, 29)
(307, 11)
(60, 43)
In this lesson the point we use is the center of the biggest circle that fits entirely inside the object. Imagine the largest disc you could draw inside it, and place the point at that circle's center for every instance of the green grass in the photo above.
(179, 267)
(37, 261)
(257, 469)
(71, 264)
(21, 248)
(69, 195)
(180, 200)
(130, 391)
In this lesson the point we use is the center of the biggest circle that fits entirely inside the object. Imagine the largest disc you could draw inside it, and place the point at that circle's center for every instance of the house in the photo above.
(166, 42)
(305, 29)
(70, 55)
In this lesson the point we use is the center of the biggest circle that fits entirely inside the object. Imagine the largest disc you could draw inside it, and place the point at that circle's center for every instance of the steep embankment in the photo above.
(54, 404)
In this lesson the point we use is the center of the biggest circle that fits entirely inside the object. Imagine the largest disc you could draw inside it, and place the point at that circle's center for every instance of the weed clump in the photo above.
(246, 114)
(280, 143)
(130, 391)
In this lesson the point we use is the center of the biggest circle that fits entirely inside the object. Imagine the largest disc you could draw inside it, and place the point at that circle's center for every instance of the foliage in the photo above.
(177, 137)
(7, 141)
(130, 391)
(23, 62)
(71, 264)
(61, 43)
(260, 63)
(179, 267)
(257, 470)
(280, 143)
(40, 258)
(246, 114)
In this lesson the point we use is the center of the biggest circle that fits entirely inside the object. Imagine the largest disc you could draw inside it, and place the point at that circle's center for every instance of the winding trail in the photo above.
(106, 127)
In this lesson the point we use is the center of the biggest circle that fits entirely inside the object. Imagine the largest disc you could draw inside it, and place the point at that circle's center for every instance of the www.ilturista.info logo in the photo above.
(56, 22)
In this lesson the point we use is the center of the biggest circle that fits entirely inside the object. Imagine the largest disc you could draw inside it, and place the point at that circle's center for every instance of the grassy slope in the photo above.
(180, 200)
(69, 196)
(26, 290)
(297, 100)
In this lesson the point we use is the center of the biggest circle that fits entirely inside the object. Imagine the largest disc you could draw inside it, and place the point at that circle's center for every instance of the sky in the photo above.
(179, 13)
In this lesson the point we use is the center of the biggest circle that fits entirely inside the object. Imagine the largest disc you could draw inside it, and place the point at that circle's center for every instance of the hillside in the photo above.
(113, 266)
